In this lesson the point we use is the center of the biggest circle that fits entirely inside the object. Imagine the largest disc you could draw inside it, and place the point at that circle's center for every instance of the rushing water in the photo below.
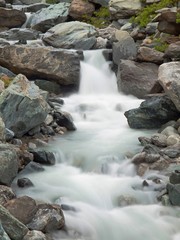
(94, 177)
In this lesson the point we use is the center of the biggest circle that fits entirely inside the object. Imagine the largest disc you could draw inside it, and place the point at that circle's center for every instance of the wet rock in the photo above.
(174, 178)
(139, 158)
(20, 34)
(3, 234)
(9, 135)
(48, 86)
(126, 200)
(47, 218)
(2, 131)
(79, 8)
(152, 113)
(11, 18)
(136, 78)
(174, 193)
(47, 18)
(8, 164)
(169, 76)
(124, 46)
(24, 183)
(35, 235)
(144, 141)
(64, 119)
(34, 7)
(160, 140)
(146, 54)
(32, 167)
(160, 165)
(171, 151)
(151, 158)
(22, 208)
(43, 157)
(75, 35)
(13, 227)
(6, 194)
(142, 168)
(39, 62)
(13, 105)
(173, 52)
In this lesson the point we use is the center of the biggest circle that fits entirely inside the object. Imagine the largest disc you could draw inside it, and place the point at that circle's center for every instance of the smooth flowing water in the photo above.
(94, 178)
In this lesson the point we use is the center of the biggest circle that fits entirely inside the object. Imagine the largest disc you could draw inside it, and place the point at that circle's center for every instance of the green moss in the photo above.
(161, 45)
(7, 80)
(148, 13)
(178, 17)
(99, 19)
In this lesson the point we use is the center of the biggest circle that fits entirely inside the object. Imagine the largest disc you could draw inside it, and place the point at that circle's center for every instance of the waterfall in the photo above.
(94, 175)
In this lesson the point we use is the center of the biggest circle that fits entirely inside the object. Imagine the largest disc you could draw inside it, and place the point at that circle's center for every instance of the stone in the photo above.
(23, 208)
(35, 235)
(103, 3)
(173, 51)
(152, 113)
(74, 35)
(3, 234)
(171, 151)
(13, 105)
(2, 3)
(159, 140)
(174, 193)
(173, 139)
(48, 86)
(168, 77)
(146, 54)
(142, 168)
(169, 130)
(11, 18)
(47, 218)
(6, 194)
(43, 157)
(80, 8)
(135, 78)
(64, 119)
(39, 62)
(139, 158)
(174, 178)
(9, 135)
(8, 164)
(124, 46)
(27, 2)
(34, 7)
(151, 158)
(13, 227)
(24, 183)
(32, 167)
(2, 131)
(47, 18)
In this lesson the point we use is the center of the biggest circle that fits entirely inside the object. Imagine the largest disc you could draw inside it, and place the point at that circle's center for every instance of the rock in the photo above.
(47, 18)
(48, 86)
(20, 34)
(8, 164)
(168, 131)
(146, 54)
(152, 113)
(13, 105)
(123, 8)
(2, 3)
(43, 157)
(126, 200)
(6, 194)
(174, 178)
(47, 218)
(24, 182)
(75, 35)
(27, 2)
(151, 158)
(151, 28)
(124, 48)
(64, 119)
(103, 3)
(3, 234)
(139, 158)
(142, 168)
(15, 229)
(171, 151)
(137, 79)
(80, 8)
(11, 18)
(160, 165)
(22, 208)
(32, 167)
(34, 7)
(9, 135)
(35, 235)
(160, 140)
(2, 131)
(6, 72)
(174, 193)
(168, 77)
(173, 139)
(39, 62)
(173, 51)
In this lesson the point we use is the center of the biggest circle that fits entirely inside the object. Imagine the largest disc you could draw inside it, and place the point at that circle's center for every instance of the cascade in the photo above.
(93, 174)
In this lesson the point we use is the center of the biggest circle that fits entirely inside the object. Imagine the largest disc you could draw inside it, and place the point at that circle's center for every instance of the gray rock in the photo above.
(35, 7)
(75, 35)
(173, 52)
(135, 78)
(56, 65)
(124, 47)
(3, 234)
(2, 3)
(27, 2)
(43, 157)
(35, 235)
(51, 87)
(9, 135)
(8, 164)
(31, 168)
(64, 119)
(174, 193)
(24, 182)
(13, 105)
(2, 131)
(6, 194)
(11, 18)
(5, 71)
(151, 28)
(159, 140)
(152, 113)
(146, 54)
(174, 178)
(48, 17)
(15, 229)
(103, 3)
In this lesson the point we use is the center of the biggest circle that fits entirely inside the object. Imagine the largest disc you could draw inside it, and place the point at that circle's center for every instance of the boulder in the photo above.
(56, 65)
(11, 18)
(146, 54)
(2, 131)
(2, 3)
(174, 178)
(64, 119)
(124, 8)
(46, 18)
(24, 183)
(35, 7)
(8, 164)
(174, 193)
(20, 34)
(168, 77)
(173, 52)
(124, 46)
(135, 78)
(13, 227)
(103, 3)
(152, 113)
(35, 235)
(47, 218)
(75, 35)
(22, 101)
(48, 86)
(43, 157)
(3, 234)
(6, 194)
(80, 8)
(27, 2)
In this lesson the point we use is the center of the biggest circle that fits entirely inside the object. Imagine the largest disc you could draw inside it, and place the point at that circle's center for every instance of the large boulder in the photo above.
(22, 106)
(146, 54)
(11, 18)
(57, 65)
(169, 78)
(124, 46)
(76, 35)
(48, 17)
(8, 164)
(81, 8)
(136, 78)
(173, 52)
(124, 8)
(152, 113)
(3, 234)
(13, 227)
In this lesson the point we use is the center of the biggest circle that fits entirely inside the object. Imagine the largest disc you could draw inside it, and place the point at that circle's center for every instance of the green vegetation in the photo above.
(148, 13)
(7, 80)
(100, 18)
(178, 17)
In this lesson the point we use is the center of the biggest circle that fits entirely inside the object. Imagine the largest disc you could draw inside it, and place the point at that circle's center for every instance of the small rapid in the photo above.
(93, 177)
